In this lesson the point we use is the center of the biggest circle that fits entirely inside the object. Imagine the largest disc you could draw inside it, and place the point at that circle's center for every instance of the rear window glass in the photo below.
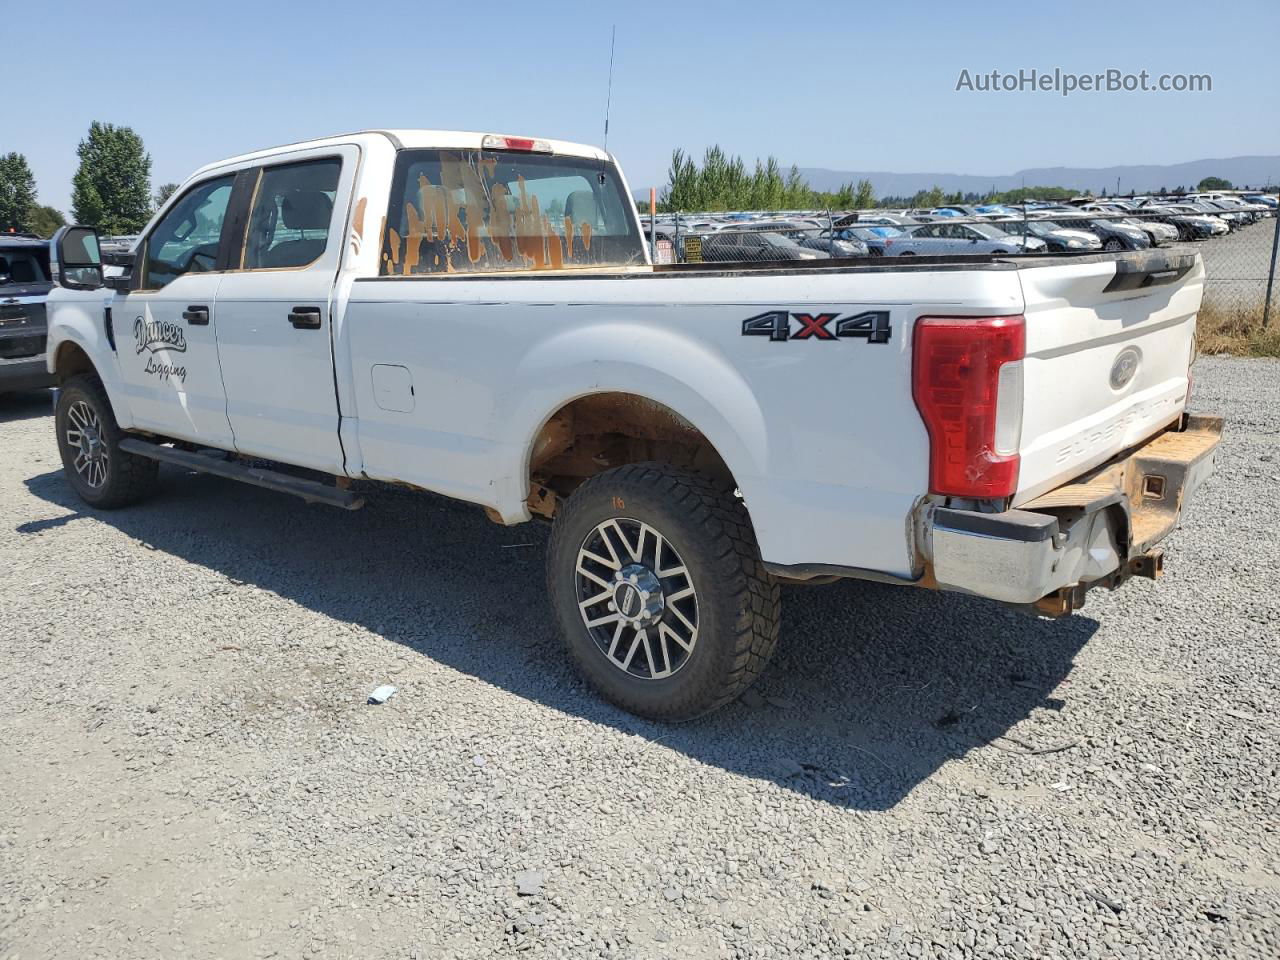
(464, 211)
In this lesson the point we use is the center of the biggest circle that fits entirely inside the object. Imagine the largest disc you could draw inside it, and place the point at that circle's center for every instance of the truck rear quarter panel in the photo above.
(821, 433)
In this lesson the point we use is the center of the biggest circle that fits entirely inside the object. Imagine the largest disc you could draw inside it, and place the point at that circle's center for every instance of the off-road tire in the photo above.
(129, 477)
(738, 601)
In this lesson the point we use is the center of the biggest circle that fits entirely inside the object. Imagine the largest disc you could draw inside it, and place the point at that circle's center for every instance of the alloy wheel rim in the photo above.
(84, 437)
(636, 598)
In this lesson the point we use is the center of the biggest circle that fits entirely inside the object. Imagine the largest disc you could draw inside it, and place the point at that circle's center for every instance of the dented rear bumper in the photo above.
(1095, 531)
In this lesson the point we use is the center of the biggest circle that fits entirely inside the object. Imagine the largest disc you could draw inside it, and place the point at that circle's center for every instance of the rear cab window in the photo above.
(489, 211)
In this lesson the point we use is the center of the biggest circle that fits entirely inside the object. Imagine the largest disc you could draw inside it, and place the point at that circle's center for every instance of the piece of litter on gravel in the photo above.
(1105, 901)
(1061, 786)
(512, 546)
(382, 694)
(478, 760)
(529, 883)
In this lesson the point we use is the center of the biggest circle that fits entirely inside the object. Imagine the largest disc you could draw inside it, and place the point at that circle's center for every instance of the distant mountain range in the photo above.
(1242, 171)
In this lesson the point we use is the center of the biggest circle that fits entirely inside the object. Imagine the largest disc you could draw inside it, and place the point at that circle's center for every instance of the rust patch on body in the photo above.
(357, 224)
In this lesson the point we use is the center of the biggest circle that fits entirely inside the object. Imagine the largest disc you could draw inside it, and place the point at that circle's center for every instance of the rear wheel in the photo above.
(101, 474)
(1113, 244)
(658, 587)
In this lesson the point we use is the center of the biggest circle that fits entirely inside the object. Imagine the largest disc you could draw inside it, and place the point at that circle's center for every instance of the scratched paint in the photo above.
(469, 222)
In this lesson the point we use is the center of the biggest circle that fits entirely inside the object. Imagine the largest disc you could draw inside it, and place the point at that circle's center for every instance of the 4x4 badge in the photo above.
(873, 325)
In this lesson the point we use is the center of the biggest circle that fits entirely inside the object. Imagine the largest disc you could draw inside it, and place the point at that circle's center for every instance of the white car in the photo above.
(476, 315)
(943, 238)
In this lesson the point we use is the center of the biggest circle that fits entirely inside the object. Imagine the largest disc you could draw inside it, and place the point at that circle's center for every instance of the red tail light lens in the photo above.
(494, 141)
(956, 381)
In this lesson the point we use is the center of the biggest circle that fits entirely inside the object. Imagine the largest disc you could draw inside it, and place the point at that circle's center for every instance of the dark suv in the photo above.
(24, 286)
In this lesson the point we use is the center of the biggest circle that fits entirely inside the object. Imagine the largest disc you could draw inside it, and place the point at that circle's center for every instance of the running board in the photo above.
(309, 490)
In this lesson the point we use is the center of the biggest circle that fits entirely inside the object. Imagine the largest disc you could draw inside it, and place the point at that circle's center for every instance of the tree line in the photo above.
(111, 189)
(721, 182)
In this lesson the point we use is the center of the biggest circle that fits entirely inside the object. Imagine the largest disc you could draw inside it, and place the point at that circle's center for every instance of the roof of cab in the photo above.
(419, 139)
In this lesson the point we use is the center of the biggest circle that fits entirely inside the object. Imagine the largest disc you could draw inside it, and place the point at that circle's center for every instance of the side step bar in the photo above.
(309, 490)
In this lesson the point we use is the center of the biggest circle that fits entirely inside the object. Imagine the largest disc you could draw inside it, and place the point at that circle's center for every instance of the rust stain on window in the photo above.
(470, 221)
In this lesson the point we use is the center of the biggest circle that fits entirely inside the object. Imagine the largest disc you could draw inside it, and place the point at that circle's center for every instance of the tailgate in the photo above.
(1108, 347)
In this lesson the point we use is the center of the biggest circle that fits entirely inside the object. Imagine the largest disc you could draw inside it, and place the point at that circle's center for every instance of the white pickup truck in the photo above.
(476, 315)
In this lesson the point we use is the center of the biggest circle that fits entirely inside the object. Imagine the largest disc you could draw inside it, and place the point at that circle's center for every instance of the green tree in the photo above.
(927, 198)
(163, 193)
(111, 190)
(17, 193)
(45, 221)
(1213, 183)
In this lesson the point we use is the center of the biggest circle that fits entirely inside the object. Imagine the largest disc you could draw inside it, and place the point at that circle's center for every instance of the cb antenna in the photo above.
(608, 102)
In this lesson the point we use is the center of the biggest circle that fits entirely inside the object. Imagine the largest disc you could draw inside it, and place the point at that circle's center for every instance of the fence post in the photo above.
(1271, 274)
(653, 224)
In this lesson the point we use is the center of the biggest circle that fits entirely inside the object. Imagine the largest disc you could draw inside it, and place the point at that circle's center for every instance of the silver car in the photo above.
(945, 239)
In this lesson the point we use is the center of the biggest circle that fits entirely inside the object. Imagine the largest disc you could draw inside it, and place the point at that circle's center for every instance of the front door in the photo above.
(274, 313)
(166, 325)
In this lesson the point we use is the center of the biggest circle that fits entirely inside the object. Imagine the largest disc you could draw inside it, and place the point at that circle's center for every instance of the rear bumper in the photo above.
(1096, 531)
(24, 373)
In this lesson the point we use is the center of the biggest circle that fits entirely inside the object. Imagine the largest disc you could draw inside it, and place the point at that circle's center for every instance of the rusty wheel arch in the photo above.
(600, 431)
(72, 359)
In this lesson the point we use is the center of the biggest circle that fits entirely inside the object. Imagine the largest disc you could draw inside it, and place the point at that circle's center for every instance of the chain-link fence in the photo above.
(1235, 235)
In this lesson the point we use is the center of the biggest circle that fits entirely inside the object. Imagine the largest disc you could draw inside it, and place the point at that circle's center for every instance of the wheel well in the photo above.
(71, 360)
(601, 431)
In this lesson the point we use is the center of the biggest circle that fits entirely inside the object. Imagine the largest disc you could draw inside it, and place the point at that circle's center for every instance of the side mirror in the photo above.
(77, 260)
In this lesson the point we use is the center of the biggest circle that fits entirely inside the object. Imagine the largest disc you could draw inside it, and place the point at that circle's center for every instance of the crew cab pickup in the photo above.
(477, 315)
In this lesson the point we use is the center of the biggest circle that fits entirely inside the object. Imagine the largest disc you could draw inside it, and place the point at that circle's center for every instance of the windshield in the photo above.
(22, 266)
(988, 231)
(464, 211)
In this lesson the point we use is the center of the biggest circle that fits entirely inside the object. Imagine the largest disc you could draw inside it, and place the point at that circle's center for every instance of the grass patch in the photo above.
(1238, 331)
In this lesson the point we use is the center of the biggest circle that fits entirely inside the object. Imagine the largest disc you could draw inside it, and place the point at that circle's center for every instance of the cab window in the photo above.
(186, 238)
(464, 211)
(292, 210)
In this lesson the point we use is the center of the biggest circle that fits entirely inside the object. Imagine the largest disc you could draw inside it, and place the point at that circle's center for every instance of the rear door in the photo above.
(274, 309)
(165, 325)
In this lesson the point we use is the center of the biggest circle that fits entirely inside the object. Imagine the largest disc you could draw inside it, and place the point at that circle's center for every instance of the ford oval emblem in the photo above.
(1126, 365)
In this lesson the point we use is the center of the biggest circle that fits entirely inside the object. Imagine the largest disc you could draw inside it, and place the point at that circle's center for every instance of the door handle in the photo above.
(305, 318)
(196, 316)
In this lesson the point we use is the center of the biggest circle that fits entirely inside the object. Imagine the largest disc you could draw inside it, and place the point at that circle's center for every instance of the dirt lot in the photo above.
(189, 767)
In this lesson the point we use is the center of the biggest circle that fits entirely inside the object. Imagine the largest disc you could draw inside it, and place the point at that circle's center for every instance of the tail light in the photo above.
(967, 382)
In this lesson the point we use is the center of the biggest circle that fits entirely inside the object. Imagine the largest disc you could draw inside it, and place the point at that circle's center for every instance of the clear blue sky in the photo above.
(841, 85)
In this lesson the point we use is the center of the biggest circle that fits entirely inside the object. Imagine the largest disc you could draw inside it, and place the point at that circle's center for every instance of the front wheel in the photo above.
(1113, 244)
(101, 474)
(660, 592)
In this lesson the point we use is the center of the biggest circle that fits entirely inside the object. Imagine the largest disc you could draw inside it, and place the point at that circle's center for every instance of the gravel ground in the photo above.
(190, 769)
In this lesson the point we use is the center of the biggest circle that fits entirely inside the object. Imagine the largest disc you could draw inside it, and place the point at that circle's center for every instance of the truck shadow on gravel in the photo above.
(25, 405)
(871, 690)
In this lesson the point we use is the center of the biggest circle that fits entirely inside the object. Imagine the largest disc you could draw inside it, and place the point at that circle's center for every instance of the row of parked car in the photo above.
(1083, 224)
